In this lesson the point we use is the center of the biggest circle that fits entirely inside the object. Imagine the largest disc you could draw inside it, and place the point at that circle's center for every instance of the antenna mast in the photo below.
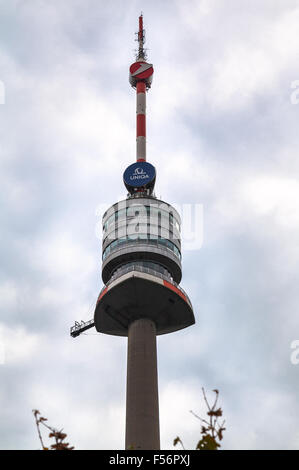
(141, 76)
(141, 40)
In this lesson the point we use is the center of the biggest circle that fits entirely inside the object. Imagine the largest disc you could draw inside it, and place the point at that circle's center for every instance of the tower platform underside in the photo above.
(135, 295)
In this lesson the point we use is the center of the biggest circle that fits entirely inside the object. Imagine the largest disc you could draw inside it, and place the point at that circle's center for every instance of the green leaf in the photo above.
(207, 443)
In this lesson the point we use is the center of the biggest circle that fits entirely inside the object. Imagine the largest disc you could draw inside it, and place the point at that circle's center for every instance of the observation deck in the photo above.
(141, 268)
(138, 291)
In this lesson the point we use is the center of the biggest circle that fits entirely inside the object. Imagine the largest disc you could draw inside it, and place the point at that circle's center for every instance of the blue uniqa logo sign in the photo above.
(139, 174)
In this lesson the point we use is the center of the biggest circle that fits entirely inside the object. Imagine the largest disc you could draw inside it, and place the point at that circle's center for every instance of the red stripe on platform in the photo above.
(140, 125)
(175, 289)
(103, 293)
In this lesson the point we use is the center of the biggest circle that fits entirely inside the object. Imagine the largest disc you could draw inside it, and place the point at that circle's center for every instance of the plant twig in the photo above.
(213, 431)
(59, 436)
(37, 421)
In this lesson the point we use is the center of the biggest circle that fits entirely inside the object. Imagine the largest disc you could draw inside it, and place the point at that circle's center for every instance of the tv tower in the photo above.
(141, 270)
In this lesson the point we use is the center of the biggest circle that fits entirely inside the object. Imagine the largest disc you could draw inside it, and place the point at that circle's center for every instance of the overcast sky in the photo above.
(222, 132)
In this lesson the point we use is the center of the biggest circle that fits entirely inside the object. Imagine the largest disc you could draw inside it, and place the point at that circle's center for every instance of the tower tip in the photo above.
(141, 40)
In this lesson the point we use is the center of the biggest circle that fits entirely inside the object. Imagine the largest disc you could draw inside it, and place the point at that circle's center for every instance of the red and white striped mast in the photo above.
(141, 76)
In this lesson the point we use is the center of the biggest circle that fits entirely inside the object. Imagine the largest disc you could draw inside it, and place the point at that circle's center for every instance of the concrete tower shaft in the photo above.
(142, 387)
